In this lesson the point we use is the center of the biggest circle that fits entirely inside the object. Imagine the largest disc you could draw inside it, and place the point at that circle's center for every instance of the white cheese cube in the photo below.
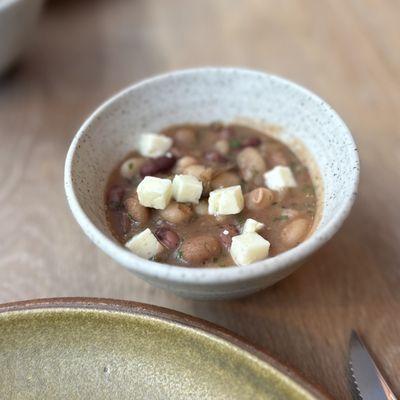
(144, 244)
(248, 248)
(251, 225)
(153, 145)
(279, 178)
(154, 192)
(186, 189)
(226, 201)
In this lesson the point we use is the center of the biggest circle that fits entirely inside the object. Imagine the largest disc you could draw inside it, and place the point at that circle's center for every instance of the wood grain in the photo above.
(347, 51)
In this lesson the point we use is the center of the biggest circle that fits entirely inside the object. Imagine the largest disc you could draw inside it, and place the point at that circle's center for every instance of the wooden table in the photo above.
(347, 51)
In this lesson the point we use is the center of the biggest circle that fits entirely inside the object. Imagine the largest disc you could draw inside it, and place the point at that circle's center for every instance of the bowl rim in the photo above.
(5, 4)
(210, 275)
(168, 315)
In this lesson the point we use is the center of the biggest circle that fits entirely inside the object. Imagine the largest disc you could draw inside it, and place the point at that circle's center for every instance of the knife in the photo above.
(367, 381)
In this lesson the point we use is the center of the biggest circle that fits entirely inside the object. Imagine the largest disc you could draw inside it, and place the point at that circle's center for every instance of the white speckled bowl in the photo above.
(17, 21)
(201, 96)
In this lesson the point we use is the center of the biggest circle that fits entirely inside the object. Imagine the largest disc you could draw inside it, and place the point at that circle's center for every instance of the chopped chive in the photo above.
(235, 143)
(281, 218)
(240, 219)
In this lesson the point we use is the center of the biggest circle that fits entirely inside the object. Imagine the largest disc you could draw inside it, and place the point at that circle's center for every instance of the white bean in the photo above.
(131, 167)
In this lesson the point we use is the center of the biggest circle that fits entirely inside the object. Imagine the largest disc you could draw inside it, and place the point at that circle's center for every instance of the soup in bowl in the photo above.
(212, 182)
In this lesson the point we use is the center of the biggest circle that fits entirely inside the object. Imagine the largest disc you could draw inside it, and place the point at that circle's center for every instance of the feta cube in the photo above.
(186, 189)
(251, 225)
(279, 178)
(248, 248)
(226, 201)
(154, 192)
(153, 145)
(144, 244)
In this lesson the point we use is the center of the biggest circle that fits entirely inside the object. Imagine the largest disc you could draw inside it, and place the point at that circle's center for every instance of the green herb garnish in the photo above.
(240, 218)
(235, 143)
(179, 254)
(281, 218)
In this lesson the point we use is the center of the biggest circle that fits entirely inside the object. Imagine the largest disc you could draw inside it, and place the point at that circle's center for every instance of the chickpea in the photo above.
(177, 213)
(222, 146)
(157, 165)
(250, 163)
(258, 199)
(184, 162)
(225, 179)
(136, 211)
(204, 174)
(131, 167)
(185, 137)
(294, 232)
(200, 249)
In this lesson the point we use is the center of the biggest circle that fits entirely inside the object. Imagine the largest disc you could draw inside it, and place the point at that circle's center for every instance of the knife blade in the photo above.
(367, 380)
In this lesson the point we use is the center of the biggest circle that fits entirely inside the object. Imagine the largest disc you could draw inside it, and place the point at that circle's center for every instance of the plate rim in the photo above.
(172, 316)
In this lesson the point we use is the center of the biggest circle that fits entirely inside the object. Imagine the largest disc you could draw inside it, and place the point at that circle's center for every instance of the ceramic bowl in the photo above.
(109, 349)
(18, 19)
(306, 123)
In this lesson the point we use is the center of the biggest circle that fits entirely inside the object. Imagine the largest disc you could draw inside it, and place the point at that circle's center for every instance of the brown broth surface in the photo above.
(297, 203)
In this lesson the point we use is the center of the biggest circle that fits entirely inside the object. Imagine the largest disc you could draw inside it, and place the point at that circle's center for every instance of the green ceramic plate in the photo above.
(105, 349)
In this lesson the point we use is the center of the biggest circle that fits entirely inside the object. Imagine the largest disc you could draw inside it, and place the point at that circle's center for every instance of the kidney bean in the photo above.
(226, 234)
(214, 156)
(157, 165)
(168, 238)
(251, 142)
(115, 196)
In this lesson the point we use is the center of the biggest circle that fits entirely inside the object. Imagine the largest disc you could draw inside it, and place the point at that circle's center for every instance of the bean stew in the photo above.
(215, 196)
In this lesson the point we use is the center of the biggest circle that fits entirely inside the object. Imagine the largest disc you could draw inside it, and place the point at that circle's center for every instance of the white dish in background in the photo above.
(308, 125)
(18, 19)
